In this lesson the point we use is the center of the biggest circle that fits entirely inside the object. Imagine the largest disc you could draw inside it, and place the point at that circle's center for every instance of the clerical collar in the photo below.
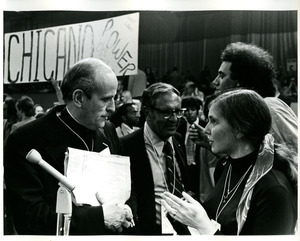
(86, 135)
(73, 123)
(72, 115)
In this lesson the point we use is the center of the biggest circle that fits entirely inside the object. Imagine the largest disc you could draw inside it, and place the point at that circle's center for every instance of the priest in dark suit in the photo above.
(88, 90)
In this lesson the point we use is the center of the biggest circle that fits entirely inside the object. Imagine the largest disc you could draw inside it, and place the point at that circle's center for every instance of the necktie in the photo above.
(190, 151)
(175, 186)
(173, 180)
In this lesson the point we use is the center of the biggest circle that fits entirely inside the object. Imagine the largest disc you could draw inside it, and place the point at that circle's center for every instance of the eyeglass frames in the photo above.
(168, 113)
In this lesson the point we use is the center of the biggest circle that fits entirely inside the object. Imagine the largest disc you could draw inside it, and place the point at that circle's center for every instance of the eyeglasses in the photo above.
(168, 113)
(191, 108)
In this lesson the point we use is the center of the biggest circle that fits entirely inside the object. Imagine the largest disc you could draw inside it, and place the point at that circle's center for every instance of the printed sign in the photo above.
(42, 54)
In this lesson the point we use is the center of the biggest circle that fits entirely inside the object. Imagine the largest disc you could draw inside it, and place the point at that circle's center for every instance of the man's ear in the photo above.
(78, 97)
(124, 118)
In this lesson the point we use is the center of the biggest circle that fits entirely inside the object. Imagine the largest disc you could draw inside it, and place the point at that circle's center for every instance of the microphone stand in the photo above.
(63, 210)
(64, 196)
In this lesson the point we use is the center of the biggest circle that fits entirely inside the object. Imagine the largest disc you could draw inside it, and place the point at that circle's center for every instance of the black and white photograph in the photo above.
(135, 120)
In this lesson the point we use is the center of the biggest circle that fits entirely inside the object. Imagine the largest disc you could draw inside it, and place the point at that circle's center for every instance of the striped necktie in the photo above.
(173, 179)
(175, 185)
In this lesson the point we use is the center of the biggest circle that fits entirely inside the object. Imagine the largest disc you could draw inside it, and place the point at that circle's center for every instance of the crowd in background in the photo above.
(130, 89)
(18, 112)
(195, 93)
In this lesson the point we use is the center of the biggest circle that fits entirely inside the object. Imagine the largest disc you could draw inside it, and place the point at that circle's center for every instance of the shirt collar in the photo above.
(196, 121)
(152, 139)
(125, 126)
(127, 129)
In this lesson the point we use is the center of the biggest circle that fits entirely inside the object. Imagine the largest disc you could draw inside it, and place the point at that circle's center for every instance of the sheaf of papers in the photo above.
(102, 173)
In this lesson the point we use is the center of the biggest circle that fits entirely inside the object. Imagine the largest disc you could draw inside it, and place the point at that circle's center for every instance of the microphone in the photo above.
(35, 157)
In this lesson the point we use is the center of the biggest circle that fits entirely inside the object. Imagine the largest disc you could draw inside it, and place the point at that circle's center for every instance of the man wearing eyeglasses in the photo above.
(150, 158)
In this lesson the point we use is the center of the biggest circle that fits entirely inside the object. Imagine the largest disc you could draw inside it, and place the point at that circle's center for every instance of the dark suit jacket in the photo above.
(32, 191)
(194, 171)
(142, 178)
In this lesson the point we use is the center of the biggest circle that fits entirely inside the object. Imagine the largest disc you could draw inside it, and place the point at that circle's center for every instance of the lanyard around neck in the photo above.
(88, 149)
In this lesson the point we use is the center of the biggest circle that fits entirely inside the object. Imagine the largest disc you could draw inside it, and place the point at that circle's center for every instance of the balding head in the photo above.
(85, 75)
(88, 89)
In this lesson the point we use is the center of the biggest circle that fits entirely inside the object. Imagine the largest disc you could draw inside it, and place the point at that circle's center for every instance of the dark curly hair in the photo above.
(191, 101)
(252, 67)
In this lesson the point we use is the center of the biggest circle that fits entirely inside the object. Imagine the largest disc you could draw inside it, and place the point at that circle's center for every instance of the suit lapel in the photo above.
(181, 160)
(140, 163)
(101, 141)
(144, 160)
(178, 151)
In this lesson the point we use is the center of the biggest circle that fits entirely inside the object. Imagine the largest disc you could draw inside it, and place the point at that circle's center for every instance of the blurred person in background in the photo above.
(25, 112)
(151, 79)
(205, 160)
(129, 116)
(190, 89)
(38, 109)
(10, 117)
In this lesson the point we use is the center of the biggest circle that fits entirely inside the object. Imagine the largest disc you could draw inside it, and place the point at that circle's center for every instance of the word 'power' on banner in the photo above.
(42, 54)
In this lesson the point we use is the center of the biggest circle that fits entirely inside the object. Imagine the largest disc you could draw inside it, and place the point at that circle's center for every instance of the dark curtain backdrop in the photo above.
(186, 39)
(192, 40)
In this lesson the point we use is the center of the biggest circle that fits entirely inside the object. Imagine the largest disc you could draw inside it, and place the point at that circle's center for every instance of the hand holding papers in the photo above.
(103, 174)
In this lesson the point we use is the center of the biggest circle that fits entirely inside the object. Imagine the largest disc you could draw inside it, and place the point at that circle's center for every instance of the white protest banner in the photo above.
(42, 54)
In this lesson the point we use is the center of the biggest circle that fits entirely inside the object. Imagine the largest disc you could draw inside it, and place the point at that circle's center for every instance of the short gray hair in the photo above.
(151, 94)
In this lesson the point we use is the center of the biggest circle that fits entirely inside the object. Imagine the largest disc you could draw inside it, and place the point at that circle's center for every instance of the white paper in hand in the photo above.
(105, 174)
(166, 226)
(105, 152)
